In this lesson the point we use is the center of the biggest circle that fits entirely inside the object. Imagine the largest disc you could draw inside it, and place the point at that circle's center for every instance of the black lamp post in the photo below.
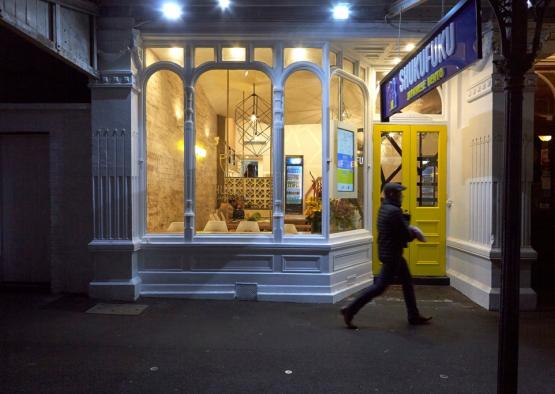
(512, 16)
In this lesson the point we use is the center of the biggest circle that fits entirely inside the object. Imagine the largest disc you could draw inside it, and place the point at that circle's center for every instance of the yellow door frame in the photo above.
(425, 259)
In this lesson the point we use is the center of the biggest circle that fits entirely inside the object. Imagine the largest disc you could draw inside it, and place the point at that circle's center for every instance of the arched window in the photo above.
(303, 154)
(164, 153)
(347, 190)
(233, 152)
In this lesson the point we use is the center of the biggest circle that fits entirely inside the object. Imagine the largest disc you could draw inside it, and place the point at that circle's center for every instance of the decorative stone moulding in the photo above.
(479, 89)
(123, 80)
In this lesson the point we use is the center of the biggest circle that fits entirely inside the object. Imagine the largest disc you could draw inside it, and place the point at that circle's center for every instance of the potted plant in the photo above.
(313, 205)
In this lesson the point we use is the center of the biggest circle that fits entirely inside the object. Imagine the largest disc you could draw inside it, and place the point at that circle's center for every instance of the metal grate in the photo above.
(246, 291)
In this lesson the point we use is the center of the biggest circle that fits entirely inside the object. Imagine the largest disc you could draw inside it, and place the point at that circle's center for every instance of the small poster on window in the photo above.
(345, 161)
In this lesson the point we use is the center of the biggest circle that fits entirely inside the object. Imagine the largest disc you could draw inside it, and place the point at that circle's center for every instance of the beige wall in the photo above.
(164, 139)
(306, 140)
(469, 152)
(206, 122)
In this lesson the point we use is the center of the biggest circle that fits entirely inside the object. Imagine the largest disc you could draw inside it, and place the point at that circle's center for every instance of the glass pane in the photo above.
(264, 55)
(303, 154)
(234, 152)
(234, 54)
(155, 55)
(292, 55)
(333, 59)
(391, 158)
(204, 55)
(348, 66)
(427, 169)
(430, 104)
(347, 213)
(379, 77)
(165, 150)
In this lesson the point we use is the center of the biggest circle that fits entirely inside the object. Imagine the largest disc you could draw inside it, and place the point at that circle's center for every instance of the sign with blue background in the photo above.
(454, 44)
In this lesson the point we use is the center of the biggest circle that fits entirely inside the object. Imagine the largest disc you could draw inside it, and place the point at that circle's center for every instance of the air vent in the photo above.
(246, 291)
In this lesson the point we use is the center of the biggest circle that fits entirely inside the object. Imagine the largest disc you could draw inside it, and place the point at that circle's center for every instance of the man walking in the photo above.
(394, 233)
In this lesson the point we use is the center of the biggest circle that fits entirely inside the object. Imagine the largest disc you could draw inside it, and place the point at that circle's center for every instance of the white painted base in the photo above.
(117, 290)
(308, 273)
(473, 271)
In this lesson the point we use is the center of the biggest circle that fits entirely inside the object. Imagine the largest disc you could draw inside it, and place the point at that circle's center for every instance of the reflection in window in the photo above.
(429, 104)
(233, 119)
(427, 171)
(303, 154)
(155, 55)
(391, 158)
(203, 55)
(347, 100)
(333, 59)
(165, 152)
(292, 55)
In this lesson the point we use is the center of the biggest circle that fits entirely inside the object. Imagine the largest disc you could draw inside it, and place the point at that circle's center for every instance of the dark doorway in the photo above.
(24, 208)
(543, 186)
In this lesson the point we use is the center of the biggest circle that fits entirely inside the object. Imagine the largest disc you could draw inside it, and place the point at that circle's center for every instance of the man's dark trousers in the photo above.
(389, 270)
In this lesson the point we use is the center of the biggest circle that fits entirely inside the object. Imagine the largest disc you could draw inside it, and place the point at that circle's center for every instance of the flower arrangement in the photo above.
(342, 214)
(313, 205)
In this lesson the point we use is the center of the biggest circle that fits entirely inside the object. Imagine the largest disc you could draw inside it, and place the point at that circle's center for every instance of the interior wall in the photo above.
(206, 121)
(165, 150)
(305, 140)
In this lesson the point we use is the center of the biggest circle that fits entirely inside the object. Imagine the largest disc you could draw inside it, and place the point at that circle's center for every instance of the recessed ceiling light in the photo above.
(172, 11)
(224, 4)
(409, 47)
(396, 60)
(341, 11)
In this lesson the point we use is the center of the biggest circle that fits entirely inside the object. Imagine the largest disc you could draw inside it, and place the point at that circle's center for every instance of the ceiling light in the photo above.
(172, 11)
(396, 60)
(544, 138)
(224, 4)
(409, 47)
(341, 11)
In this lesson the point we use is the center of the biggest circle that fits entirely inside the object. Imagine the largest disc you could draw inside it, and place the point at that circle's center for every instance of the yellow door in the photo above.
(414, 156)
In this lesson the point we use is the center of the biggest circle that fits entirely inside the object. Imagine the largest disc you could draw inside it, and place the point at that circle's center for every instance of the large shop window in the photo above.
(233, 119)
(165, 153)
(347, 186)
(303, 154)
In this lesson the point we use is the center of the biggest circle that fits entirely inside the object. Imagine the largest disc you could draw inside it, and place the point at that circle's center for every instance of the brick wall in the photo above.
(164, 138)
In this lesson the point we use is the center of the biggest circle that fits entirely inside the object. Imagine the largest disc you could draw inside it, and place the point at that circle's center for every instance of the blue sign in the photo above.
(454, 44)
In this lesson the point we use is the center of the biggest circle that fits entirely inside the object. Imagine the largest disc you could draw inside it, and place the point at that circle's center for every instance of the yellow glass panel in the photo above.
(234, 54)
(348, 66)
(155, 55)
(293, 55)
(264, 55)
(203, 55)
(333, 59)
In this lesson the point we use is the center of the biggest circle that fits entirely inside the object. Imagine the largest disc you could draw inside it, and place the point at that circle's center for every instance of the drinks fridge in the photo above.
(294, 184)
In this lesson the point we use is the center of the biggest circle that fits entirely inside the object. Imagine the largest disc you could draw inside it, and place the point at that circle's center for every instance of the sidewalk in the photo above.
(48, 344)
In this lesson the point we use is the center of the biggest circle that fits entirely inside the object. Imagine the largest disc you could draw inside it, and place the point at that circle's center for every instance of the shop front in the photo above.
(254, 174)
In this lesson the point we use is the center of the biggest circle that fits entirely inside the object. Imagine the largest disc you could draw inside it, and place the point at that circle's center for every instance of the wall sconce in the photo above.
(544, 138)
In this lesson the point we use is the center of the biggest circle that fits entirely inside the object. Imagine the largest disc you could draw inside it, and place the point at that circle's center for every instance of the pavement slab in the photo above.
(49, 344)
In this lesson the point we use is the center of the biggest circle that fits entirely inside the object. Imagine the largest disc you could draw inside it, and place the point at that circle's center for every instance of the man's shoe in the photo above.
(348, 318)
(419, 320)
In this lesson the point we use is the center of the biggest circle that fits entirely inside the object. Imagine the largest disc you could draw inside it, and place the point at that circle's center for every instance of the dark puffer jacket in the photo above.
(393, 231)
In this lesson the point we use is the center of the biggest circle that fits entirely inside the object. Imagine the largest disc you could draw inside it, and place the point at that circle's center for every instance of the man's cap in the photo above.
(393, 187)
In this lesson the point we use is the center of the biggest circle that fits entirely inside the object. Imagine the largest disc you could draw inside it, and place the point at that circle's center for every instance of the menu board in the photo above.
(345, 176)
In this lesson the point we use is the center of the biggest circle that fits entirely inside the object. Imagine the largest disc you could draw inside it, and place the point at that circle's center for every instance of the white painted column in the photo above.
(115, 162)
